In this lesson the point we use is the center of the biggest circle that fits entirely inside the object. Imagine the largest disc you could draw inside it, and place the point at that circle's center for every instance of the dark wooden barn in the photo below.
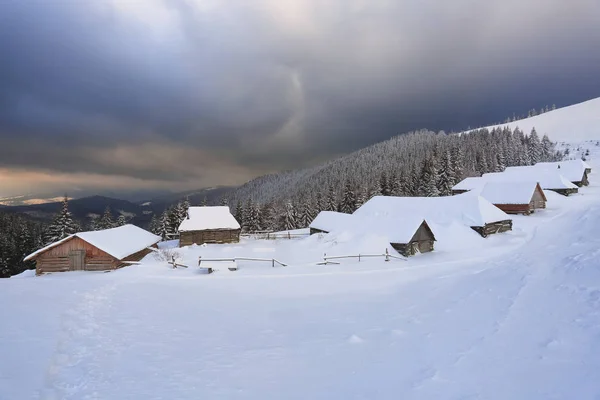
(209, 225)
(95, 251)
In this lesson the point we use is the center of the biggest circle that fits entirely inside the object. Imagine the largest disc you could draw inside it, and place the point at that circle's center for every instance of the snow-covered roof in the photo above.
(509, 192)
(328, 221)
(205, 218)
(393, 230)
(573, 171)
(578, 163)
(548, 178)
(119, 242)
(468, 208)
(469, 183)
(396, 232)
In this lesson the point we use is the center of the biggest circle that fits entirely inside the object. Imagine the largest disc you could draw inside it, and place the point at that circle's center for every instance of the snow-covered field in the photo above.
(513, 316)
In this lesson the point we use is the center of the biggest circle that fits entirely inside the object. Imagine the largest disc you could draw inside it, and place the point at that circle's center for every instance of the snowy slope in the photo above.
(575, 123)
(515, 316)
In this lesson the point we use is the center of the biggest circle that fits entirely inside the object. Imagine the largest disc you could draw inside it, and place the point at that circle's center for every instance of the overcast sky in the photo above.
(178, 94)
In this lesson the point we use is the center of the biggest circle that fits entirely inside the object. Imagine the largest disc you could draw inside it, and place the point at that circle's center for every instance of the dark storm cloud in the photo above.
(197, 92)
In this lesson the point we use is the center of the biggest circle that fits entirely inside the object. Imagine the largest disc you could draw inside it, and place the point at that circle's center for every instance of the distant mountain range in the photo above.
(138, 213)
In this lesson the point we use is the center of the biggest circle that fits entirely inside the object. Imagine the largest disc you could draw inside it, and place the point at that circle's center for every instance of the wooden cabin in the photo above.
(573, 170)
(515, 197)
(467, 209)
(416, 241)
(209, 225)
(103, 250)
(408, 236)
(327, 221)
(549, 179)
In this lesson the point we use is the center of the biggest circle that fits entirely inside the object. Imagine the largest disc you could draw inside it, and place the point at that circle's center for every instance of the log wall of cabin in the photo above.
(494, 227)
(56, 259)
(516, 208)
(209, 236)
(538, 200)
(565, 192)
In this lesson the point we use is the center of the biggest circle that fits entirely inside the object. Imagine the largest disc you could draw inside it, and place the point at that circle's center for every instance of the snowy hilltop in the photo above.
(575, 123)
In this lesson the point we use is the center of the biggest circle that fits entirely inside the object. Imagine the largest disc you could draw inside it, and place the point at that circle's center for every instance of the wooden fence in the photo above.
(387, 257)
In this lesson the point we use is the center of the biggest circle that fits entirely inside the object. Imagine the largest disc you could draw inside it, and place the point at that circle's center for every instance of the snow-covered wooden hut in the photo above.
(467, 209)
(209, 225)
(410, 236)
(95, 251)
(328, 221)
(515, 197)
(573, 172)
(548, 180)
(579, 163)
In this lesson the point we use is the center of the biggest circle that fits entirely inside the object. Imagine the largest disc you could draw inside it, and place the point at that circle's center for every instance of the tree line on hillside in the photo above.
(19, 236)
(421, 163)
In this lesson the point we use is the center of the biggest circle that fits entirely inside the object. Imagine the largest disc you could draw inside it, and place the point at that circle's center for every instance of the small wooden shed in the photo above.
(103, 250)
(411, 237)
(209, 225)
(515, 197)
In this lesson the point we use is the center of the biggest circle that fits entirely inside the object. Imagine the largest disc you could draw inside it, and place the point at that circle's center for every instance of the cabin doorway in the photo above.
(76, 260)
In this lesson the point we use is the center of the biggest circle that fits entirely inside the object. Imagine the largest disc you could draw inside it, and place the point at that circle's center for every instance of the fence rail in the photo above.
(274, 235)
(387, 255)
(273, 261)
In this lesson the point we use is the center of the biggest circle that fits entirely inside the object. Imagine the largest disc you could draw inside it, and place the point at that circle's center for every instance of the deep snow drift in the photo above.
(513, 316)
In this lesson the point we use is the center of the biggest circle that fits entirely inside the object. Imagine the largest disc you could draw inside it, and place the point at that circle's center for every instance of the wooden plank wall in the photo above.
(209, 236)
(56, 259)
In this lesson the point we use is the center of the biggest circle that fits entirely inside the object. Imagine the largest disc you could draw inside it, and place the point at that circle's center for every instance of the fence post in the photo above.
(273, 263)
(289, 235)
(387, 255)
(199, 260)
(358, 257)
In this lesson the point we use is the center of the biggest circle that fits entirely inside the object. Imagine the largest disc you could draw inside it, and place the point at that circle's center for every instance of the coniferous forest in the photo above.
(421, 163)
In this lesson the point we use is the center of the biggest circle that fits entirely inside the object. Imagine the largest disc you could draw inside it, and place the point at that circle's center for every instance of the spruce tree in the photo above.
(289, 216)
(106, 220)
(62, 226)
(154, 225)
(535, 147)
(122, 220)
(348, 205)
(331, 202)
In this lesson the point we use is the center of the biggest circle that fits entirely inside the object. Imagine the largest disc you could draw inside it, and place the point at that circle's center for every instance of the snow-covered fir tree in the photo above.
(106, 220)
(289, 217)
(348, 204)
(121, 220)
(62, 226)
